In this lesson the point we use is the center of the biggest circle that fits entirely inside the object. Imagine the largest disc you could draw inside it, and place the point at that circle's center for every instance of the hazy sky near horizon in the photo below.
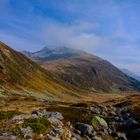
(108, 28)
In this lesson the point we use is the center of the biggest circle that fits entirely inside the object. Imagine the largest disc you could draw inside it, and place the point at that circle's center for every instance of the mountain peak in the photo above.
(54, 53)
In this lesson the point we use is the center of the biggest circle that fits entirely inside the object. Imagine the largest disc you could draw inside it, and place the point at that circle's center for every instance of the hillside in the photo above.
(85, 71)
(20, 74)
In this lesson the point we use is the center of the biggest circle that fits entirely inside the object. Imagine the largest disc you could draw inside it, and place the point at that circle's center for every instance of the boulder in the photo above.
(21, 117)
(55, 122)
(99, 123)
(44, 113)
(40, 113)
(7, 136)
(94, 109)
(119, 136)
(58, 129)
(85, 129)
(49, 137)
(56, 115)
(27, 132)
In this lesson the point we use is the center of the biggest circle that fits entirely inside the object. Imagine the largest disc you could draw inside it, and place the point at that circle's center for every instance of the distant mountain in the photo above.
(83, 70)
(19, 73)
(131, 74)
(54, 53)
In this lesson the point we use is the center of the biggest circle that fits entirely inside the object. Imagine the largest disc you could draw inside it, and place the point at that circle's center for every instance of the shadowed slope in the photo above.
(19, 73)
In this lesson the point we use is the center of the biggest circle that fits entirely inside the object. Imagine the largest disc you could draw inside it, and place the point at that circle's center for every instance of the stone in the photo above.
(55, 121)
(56, 115)
(7, 136)
(97, 138)
(21, 117)
(40, 113)
(77, 136)
(67, 134)
(103, 107)
(44, 113)
(118, 135)
(27, 132)
(58, 130)
(99, 123)
(49, 137)
(94, 110)
(85, 128)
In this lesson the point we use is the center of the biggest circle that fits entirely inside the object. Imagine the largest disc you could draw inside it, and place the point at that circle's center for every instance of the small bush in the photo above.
(39, 125)
(8, 114)
(73, 114)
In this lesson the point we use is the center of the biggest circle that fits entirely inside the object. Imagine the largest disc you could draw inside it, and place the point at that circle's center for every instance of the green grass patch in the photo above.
(74, 114)
(8, 114)
(39, 125)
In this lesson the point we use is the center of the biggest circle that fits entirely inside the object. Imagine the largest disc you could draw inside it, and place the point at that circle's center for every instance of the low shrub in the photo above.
(8, 114)
(39, 125)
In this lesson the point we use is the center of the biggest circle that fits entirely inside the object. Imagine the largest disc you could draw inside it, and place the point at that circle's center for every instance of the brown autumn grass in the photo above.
(26, 103)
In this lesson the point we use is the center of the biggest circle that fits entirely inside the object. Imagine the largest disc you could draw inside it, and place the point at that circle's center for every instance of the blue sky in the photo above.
(108, 28)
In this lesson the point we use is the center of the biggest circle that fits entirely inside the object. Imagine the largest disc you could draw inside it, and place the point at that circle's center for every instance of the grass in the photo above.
(73, 114)
(8, 114)
(38, 125)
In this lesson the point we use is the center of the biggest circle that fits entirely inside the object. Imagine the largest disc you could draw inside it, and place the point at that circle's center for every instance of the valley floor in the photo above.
(105, 117)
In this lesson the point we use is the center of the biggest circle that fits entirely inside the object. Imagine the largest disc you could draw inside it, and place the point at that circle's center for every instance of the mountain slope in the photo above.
(85, 71)
(131, 74)
(18, 73)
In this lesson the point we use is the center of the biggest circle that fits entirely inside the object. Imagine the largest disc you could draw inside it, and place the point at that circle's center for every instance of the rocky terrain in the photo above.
(111, 120)
(68, 99)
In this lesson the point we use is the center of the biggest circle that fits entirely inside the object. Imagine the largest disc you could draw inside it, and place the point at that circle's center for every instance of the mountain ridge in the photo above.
(86, 71)
(54, 53)
(19, 73)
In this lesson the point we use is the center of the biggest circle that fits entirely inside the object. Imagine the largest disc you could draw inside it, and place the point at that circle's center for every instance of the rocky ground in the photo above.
(113, 120)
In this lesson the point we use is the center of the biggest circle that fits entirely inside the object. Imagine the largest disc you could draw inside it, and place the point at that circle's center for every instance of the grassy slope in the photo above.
(91, 73)
(20, 73)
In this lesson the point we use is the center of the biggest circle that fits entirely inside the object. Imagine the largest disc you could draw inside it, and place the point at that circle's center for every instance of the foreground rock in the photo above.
(85, 129)
(97, 122)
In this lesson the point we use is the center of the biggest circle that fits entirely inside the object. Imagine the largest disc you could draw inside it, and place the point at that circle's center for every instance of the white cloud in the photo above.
(79, 36)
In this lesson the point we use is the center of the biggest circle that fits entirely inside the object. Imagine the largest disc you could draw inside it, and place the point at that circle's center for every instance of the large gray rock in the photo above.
(21, 117)
(119, 136)
(85, 129)
(56, 115)
(7, 136)
(44, 113)
(40, 113)
(49, 137)
(99, 123)
(27, 132)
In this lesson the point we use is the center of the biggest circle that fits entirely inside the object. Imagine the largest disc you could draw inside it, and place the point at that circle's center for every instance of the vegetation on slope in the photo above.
(20, 73)
(92, 73)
